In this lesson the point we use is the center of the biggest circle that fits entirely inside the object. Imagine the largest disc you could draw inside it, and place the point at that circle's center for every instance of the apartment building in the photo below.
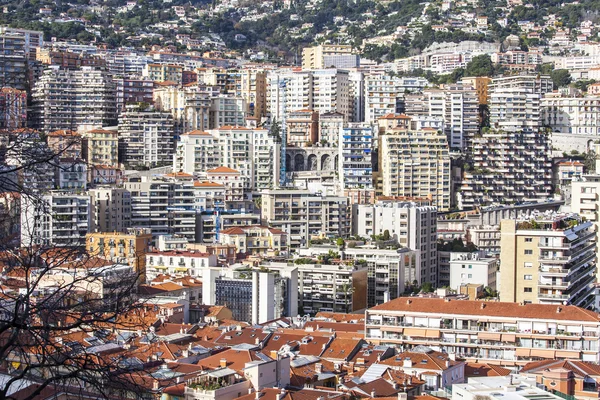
(71, 174)
(415, 163)
(191, 104)
(111, 209)
(13, 108)
(301, 214)
(124, 63)
(253, 296)
(233, 186)
(472, 268)
(235, 151)
(571, 115)
(327, 288)
(515, 101)
(458, 106)
(514, 59)
(381, 97)
(163, 72)
(227, 111)
(146, 137)
(132, 91)
(412, 225)
(101, 147)
(164, 204)
(255, 239)
(585, 196)
(506, 334)
(13, 61)
(327, 55)
(74, 99)
(66, 144)
(323, 91)
(32, 39)
(58, 219)
(548, 259)
(480, 83)
(195, 152)
(302, 128)
(330, 125)
(128, 248)
(509, 166)
(177, 263)
(355, 146)
(266, 156)
(389, 272)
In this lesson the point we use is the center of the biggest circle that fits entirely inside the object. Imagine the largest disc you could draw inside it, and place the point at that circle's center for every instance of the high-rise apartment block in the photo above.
(101, 147)
(79, 100)
(13, 108)
(355, 146)
(111, 209)
(58, 218)
(146, 137)
(301, 214)
(415, 163)
(509, 166)
(548, 259)
(412, 225)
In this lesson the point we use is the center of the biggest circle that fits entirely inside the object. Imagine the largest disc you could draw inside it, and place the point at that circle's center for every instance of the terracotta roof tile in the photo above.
(223, 170)
(488, 308)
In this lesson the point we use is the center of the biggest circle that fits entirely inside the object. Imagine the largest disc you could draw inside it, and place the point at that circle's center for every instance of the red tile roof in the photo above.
(223, 170)
(488, 308)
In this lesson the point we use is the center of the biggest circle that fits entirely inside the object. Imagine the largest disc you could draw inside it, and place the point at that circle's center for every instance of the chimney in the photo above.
(447, 363)
(223, 363)
(373, 393)
(447, 300)
(257, 341)
(407, 364)
(402, 396)
(181, 330)
(155, 385)
(558, 309)
(250, 390)
(482, 306)
(396, 386)
(274, 354)
(257, 395)
(408, 301)
(185, 353)
(319, 368)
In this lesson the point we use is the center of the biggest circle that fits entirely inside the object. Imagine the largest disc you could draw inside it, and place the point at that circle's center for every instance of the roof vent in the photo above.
(482, 306)
(558, 309)
(408, 301)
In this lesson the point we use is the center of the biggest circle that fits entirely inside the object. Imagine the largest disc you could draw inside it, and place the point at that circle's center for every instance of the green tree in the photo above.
(480, 66)
(427, 287)
(560, 78)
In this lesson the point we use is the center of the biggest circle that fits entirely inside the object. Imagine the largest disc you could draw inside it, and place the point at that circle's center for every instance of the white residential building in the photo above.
(472, 268)
(413, 226)
(111, 210)
(355, 145)
(178, 263)
(58, 218)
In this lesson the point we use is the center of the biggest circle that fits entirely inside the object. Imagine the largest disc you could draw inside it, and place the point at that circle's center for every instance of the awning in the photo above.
(509, 337)
(523, 352)
(398, 329)
(432, 334)
(568, 354)
(415, 332)
(489, 336)
(543, 353)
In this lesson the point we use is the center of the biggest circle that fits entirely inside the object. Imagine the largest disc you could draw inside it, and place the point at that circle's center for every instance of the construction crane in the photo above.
(283, 129)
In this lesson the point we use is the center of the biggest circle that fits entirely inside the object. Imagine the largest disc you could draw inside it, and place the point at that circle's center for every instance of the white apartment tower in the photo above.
(78, 100)
(415, 163)
(414, 226)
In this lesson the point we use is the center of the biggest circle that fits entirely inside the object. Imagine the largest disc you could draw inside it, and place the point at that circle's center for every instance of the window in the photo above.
(527, 265)
(528, 290)
(528, 251)
(528, 240)
(528, 277)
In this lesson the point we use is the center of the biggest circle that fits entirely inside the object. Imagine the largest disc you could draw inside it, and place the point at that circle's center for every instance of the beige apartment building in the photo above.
(317, 56)
(101, 147)
(548, 260)
(415, 163)
(506, 334)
